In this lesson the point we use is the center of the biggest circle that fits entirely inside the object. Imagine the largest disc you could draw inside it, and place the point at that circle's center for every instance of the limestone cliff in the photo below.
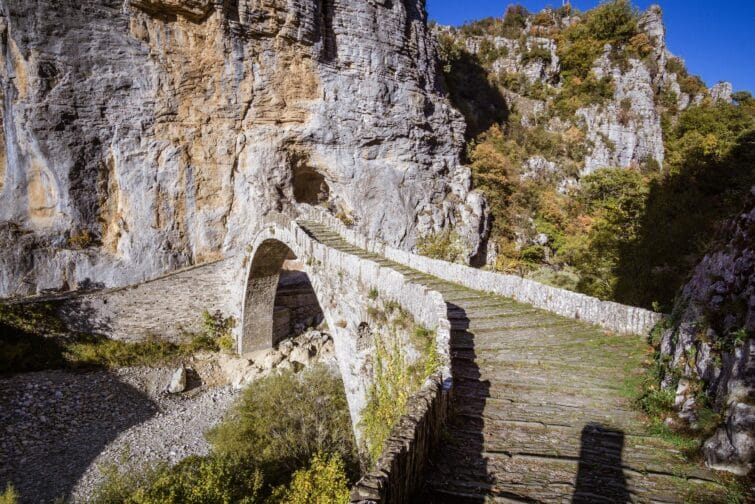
(710, 347)
(139, 136)
(616, 119)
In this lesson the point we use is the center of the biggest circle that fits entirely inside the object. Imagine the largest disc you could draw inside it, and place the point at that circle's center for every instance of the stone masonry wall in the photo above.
(166, 307)
(342, 283)
(613, 316)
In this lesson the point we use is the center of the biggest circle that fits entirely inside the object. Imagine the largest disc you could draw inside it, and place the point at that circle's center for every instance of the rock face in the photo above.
(140, 136)
(712, 344)
(623, 131)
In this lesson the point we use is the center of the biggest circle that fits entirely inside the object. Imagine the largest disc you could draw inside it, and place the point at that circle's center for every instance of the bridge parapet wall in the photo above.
(607, 314)
(399, 472)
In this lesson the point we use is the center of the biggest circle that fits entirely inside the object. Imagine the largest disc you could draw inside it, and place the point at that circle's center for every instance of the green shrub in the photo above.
(676, 65)
(534, 254)
(194, 480)
(613, 21)
(489, 53)
(423, 339)
(323, 482)
(445, 245)
(284, 419)
(34, 318)
(32, 338)
(387, 396)
(514, 21)
(9, 496)
(657, 402)
(280, 425)
(708, 172)
(578, 93)
(373, 294)
(218, 328)
(536, 53)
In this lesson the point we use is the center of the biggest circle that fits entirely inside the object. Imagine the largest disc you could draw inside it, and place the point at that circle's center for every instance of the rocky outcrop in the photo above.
(711, 346)
(142, 136)
(621, 131)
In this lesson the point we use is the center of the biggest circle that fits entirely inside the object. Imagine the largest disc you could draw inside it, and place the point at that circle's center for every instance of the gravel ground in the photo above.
(59, 427)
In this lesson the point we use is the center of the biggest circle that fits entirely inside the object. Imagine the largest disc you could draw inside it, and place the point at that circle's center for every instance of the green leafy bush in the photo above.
(445, 245)
(323, 482)
(708, 173)
(387, 396)
(489, 53)
(514, 21)
(284, 419)
(613, 21)
(194, 480)
(578, 93)
(281, 425)
(219, 328)
(423, 339)
(33, 337)
(9, 496)
(536, 52)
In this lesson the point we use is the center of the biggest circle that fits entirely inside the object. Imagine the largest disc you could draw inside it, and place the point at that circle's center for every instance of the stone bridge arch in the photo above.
(272, 247)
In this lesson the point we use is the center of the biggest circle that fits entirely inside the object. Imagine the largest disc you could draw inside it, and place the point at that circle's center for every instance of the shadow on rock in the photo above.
(599, 476)
(53, 425)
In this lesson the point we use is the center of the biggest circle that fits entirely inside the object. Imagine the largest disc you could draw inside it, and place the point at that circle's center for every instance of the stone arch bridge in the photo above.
(531, 370)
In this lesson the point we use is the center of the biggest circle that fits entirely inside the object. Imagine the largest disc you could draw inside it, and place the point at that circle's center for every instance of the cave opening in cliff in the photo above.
(310, 186)
(280, 301)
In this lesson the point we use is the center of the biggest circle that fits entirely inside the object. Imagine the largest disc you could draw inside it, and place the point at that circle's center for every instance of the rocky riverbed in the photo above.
(61, 428)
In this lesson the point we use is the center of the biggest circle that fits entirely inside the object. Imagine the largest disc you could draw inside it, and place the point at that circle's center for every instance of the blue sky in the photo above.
(715, 38)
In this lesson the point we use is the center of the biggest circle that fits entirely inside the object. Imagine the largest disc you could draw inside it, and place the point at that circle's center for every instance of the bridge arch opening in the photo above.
(279, 301)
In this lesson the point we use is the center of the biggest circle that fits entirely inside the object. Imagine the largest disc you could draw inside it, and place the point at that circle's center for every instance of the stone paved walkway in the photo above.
(540, 413)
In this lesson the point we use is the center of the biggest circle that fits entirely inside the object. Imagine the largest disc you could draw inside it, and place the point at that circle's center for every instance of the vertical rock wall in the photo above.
(145, 135)
(710, 347)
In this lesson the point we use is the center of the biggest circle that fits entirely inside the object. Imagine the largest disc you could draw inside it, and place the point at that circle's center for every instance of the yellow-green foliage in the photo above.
(688, 84)
(282, 424)
(581, 92)
(709, 169)
(9, 496)
(388, 394)
(444, 245)
(194, 480)
(423, 339)
(36, 318)
(219, 328)
(395, 376)
(323, 482)
(284, 419)
(580, 44)
(489, 53)
(95, 350)
(627, 235)
(32, 337)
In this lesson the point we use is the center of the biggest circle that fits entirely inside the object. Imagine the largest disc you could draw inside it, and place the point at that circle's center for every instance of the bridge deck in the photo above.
(539, 412)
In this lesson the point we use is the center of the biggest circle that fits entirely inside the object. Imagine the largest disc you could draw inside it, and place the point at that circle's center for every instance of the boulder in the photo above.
(177, 381)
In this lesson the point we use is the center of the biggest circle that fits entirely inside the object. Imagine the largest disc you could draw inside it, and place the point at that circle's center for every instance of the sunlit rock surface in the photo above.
(145, 135)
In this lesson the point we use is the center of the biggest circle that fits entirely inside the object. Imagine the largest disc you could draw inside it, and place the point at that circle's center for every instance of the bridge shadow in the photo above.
(54, 424)
(599, 476)
(458, 470)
